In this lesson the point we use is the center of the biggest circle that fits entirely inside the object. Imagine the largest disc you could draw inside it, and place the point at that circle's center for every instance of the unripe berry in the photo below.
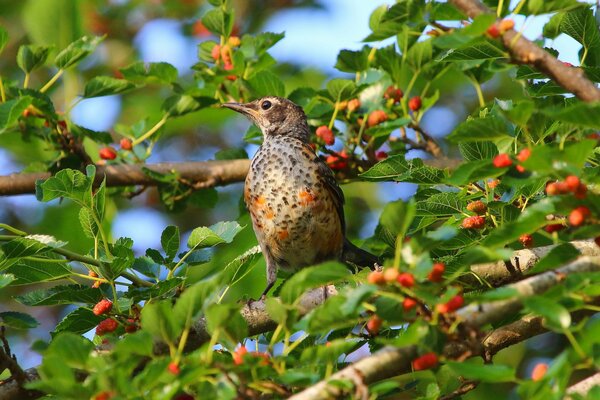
(353, 105)
(173, 368)
(579, 215)
(238, 355)
(106, 326)
(107, 153)
(502, 161)
(408, 304)
(415, 103)
(555, 188)
(126, 144)
(200, 30)
(393, 93)
(492, 183)
(436, 273)
(376, 278)
(478, 207)
(390, 275)
(526, 241)
(376, 118)
(102, 307)
(216, 52)
(234, 41)
(474, 222)
(425, 361)
(374, 324)
(539, 371)
(406, 279)
(326, 135)
(506, 24)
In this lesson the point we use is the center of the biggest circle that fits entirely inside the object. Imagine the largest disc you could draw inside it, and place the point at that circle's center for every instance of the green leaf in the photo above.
(31, 57)
(105, 86)
(307, 278)
(353, 61)
(17, 320)
(3, 38)
(227, 318)
(6, 279)
(483, 372)
(27, 271)
(150, 72)
(158, 319)
(536, 7)
(556, 317)
(341, 89)
(11, 110)
(266, 83)
(579, 113)
(472, 172)
(170, 241)
(420, 54)
(440, 204)
(581, 25)
(548, 159)
(556, 257)
(183, 104)
(123, 259)
(77, 51)
(192, 300)
(73, 350)
(397, 168)
(222, 232)
(86, 219)
(395, 221)
(218, 22)
(67, 183)
(480, 130)
(63, 294)
(412, 335)
(482, 50)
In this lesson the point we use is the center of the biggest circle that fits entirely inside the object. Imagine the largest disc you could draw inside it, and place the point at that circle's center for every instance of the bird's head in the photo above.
(275, 116)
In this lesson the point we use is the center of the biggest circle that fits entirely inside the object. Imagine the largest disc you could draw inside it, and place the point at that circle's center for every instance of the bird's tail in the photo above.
(359, 257)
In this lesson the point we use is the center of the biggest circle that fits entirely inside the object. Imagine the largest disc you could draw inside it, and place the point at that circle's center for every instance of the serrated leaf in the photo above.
(72, 349)
(548, 159)
(579, 113)
(222, 232)
(90, 229)
(150, 72)
(63, 294)
(31, 57)
(479, 51)
(341, 89)
(68, 183)
(397, 168)
(105, 86)
(27, 271)
(474, 151)
(77, 51)
(581, 25)
(440, 204)
(159, 320)
(11, 110)
(307, 278)
(395, 220)
(472, 172)
(17, 320)
(483, 372)
(480, 130)
(170, 241)
(218, 22)
(556, 257)
(353, 61)
(266, 83)
(183, 104)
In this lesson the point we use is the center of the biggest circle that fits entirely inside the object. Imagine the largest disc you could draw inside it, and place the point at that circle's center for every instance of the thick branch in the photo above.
(203, 173)
(525, 52)
(584, 386)
(391, 361)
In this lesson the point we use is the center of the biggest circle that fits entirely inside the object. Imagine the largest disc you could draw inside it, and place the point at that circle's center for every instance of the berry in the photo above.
(578, 215)
(478, 207)
(520, 168)
(581, 191)
(238, 355)
(337, 161)
(173, 368)
(341, 106)
(131, 326)
(226, 54)
(408, 304)
(215, 53)
(381, 155)
(406, 279)
(554, 228)
(106, 326)
(374, 324)
(390, 275)
(234, 41)
(228, 66)
(554, 188)
(353, 105)
(102, 307)
(474, 222)
(107, 153)
(506, 24)
(415, 103)
(539, 371)
(493, 31)
(436, 273)
(597, 241)
(92, 274)
(572, 182)
(200, 30)
(376, 278)
(492, 183)
(105, 395)
(393, 93)
(452, 305)
(502, 161)
(126, 144)
(524, 155)
(425, 361)
(326, 135)
(376, 118)
(526, 241)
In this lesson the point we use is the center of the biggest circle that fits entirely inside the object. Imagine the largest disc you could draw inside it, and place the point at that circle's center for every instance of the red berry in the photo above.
(107, 153)
(478, 207)
(572, 182)
(406, 279)
(216, 52)
(581, 191)
(493, 31)
(408, 304)
(597, 241)
(326, 135)
(353, 105)
(474, 222)
(452, 305)
(200, 30)
(554, 228)
(436, 273)
(238, 355)
(374, 324)
(390, 275)
(415, 103)
(105, 395)
(102, 307)
(376, 118)
(539, 371)
(131, 325)
(337, 161)
(173, 368)
(393, 93)
(520, 168)
(555, 188)
(106, 326)
(579, 215)
(126, 144)
(425, 361)
(526, 241)
(502, 161)
(381, 155)
(376, 278)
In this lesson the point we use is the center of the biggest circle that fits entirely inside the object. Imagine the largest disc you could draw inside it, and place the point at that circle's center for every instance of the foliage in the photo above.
(512, 147)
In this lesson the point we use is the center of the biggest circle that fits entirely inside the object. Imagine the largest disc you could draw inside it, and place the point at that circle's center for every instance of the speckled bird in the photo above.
(293, 198)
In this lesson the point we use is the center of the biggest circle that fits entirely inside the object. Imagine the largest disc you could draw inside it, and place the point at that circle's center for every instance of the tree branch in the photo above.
(390, 361)
(584, 386)
(523, 51)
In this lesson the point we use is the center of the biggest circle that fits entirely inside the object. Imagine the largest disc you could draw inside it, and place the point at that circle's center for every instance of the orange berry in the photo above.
(520, 168)
(526, 241)
(374, 324)
(408, 304)
(102, 307)
(238, 355)
(390, 275)
(474, 222)
(200, 30)
(572, 182)
(234, 41)
(478, 207)
(216, 52)
(502, 161)
(539, 371)
(492, 183)
(105, 395)
(337, 161)
(126, 144)
(524, 155)
(107, 153)
(579, 215)
(353, 105)
(415, 103)
(376, 118)
(376, 278)
(436, 273)
(425, 361)
(506, 24)
(406, 279)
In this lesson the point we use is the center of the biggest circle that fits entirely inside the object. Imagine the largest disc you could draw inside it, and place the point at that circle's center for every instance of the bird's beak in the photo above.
(247, 109)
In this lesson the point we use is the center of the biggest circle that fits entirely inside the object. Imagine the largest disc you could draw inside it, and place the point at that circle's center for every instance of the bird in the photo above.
(294, 200)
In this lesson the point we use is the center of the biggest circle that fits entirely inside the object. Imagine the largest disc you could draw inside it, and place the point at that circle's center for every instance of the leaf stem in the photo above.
(26, 80)
(52, 80)
(2, 93)
(152, 130)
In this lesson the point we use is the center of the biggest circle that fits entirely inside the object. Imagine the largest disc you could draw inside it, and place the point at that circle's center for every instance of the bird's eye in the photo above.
(265, 105)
